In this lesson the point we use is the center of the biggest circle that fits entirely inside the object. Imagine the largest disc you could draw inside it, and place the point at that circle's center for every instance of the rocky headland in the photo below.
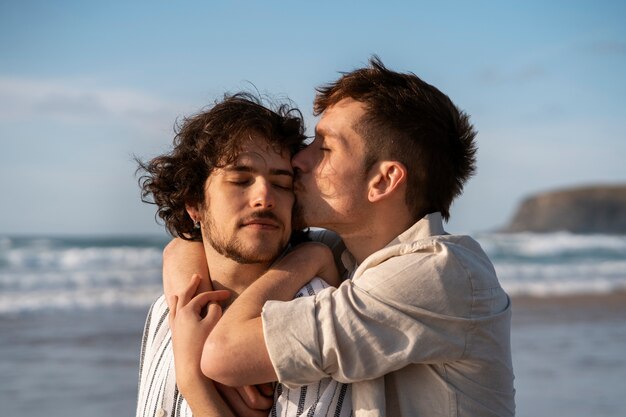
(586, 210)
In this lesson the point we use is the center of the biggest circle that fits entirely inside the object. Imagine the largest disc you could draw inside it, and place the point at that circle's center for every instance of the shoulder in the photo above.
(440, 273)
(333, 241)
(157, 326)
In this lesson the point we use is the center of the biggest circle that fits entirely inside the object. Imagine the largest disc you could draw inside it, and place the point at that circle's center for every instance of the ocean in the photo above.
(72, 311)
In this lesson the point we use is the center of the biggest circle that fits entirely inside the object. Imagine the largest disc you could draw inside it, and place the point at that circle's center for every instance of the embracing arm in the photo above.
(181, 260)
(189, 330)
(235, 351)
(191, 319)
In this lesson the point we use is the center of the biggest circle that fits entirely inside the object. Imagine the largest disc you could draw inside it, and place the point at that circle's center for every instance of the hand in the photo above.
(190, 328)
(248, 401)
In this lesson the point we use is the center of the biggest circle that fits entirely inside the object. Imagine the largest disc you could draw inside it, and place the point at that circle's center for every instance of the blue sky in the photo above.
(85, 85)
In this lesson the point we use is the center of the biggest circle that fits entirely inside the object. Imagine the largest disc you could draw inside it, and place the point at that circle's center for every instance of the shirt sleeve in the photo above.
(352, 334)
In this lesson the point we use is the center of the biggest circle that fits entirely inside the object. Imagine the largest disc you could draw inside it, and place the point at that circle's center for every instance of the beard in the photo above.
(233, 248)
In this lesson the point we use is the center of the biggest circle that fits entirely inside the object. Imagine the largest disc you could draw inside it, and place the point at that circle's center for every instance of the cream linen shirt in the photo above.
(421, 329)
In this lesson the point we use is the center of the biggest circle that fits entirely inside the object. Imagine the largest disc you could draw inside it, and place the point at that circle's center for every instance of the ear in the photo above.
(193, 212)
(388, 177)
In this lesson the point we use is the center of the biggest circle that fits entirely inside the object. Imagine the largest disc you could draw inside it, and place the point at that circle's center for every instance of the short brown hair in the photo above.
(412, 122)
(209, 140)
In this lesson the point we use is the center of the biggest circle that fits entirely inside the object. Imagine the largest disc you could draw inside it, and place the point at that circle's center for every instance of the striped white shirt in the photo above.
(159, 395)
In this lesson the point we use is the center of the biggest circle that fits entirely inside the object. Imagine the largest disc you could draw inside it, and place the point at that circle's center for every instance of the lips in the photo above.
(262, 223)
(262, 219)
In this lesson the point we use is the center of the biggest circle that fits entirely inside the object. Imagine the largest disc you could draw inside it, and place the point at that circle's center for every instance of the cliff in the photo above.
(599, 209)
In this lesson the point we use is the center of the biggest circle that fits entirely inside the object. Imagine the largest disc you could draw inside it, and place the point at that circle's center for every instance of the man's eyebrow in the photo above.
(325, 132)
(246, 168)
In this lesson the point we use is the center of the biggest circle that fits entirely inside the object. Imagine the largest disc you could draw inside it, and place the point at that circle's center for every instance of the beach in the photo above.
(568, 355)
(72, 312)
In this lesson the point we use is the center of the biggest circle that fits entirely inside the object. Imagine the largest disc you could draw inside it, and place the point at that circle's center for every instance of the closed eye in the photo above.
(284, 186)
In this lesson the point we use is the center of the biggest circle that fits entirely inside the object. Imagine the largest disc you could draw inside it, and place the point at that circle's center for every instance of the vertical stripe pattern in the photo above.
(159, 395)
(324, 398)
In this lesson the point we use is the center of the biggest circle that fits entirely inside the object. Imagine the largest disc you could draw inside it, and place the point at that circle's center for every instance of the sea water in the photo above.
(72, 312)
(45, 273)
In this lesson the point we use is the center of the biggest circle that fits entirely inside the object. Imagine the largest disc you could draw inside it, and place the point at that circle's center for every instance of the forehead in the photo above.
(339, 121)
(258, 153)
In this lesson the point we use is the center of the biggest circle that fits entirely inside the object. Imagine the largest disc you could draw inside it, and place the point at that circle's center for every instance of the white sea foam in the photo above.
(45, 273)
(41, 274)
(77, 258)
(551, 244)
(562, 288)
(562, 278)
(83, 298)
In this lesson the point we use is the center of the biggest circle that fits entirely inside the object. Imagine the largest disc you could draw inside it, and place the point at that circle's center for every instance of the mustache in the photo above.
(261, 214)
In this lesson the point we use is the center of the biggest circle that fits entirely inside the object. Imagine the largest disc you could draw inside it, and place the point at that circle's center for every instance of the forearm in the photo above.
(182, 259)
(236, 345)
(203, 398)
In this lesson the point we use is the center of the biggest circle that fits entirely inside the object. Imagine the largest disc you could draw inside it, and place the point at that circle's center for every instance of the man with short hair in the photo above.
(228, 183)
(422, 327)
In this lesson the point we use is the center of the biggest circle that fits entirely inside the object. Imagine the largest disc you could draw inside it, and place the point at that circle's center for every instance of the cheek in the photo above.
(335, 178)
(285, 204)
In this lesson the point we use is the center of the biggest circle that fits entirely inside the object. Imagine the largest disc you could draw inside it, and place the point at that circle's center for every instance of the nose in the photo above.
(263, 195)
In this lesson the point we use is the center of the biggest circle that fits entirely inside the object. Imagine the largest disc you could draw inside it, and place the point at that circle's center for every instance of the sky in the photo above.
(86, 86)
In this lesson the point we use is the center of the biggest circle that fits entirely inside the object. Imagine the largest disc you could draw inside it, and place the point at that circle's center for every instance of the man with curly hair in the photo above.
(228, 185)
(422, 327)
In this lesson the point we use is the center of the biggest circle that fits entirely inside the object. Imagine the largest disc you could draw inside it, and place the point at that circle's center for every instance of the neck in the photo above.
(227, 274)
(381, 228)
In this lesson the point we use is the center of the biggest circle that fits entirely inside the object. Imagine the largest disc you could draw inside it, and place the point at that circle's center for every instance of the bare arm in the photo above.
(181, 260)
(235, 351)
(189, 330)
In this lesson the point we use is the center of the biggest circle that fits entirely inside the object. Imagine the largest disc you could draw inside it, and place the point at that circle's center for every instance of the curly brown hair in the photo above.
(209, 140)
(410, 121)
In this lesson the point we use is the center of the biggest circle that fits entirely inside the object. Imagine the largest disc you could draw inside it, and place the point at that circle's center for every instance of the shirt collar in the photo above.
(427, 226)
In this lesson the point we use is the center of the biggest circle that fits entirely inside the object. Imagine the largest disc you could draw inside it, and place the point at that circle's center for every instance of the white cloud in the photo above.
(79, 102)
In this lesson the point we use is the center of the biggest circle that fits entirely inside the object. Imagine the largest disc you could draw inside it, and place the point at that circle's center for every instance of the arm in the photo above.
(191, 319)
(181, 260)
(189, 330)
(235, 351)
(397, 313)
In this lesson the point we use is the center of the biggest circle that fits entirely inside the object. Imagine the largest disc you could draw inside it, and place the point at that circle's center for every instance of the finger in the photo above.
(254, 399)
(173, 302)
(191, 289)
(202, 299)
(266, 389)
(214, 313)
(205, 284)
(236, 402)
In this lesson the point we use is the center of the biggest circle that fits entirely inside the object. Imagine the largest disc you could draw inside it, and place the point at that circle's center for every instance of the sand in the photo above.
(569, 356)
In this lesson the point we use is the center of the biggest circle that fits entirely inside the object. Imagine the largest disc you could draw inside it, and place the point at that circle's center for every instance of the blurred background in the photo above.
(85, 87)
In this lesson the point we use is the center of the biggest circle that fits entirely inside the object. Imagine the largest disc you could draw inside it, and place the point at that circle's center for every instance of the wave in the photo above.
(556, 264)
(562, 245)
(47, 258)
(562, 279)
(87, 273)
(77, 299)
(78, 273)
